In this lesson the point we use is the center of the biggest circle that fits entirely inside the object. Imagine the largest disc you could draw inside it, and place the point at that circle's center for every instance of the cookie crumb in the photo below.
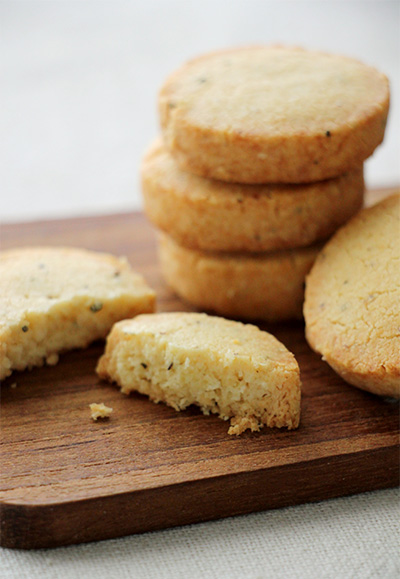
(100, 410)
(13, 385)
(52, 359)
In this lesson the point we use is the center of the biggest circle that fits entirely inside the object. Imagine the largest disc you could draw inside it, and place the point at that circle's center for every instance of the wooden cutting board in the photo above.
(66, 479)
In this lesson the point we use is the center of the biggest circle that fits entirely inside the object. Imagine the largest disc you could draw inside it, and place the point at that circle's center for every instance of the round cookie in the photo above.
(53, 299)
(264, 286)
(273, 114)
(212, 215)
(352, 300)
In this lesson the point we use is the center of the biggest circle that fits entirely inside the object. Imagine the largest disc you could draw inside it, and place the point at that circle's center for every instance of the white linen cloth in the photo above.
(355, 537)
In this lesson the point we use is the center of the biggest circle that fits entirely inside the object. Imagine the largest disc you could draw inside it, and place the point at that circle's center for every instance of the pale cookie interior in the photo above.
(53, 300)
(224, 367)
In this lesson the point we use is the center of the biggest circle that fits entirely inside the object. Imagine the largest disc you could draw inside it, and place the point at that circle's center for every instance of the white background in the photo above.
(80, 81)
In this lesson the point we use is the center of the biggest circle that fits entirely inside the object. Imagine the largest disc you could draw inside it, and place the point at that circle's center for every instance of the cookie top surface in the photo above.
(352, 300)
(212, 215)
(260, 99)
(38, 278)
(199, 332)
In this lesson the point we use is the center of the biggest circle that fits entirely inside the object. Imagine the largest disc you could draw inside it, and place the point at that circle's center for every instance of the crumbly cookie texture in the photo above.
(262, 286)
(57, 299)
(212, 215)
(227, 368)
(273, 114)
(352, 300)
(99, 411)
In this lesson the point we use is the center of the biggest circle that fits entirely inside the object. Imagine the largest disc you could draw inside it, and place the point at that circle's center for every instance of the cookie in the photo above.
(265, 286)
(212, 215)
(352, 300)
(226, 368)
(273, 114)
(56, 299)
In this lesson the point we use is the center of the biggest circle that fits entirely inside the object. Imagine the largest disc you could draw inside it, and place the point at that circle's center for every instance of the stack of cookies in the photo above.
(260, 161)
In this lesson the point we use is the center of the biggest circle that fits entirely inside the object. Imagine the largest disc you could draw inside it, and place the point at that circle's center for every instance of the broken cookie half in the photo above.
(54, 299)
(224, 367)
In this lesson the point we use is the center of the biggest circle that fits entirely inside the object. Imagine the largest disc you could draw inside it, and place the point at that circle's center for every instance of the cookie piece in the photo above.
(99, 411)
(56, 299)
(352, 300)
(215, 216)
(273, 114)
(263, 286)
(227, 368)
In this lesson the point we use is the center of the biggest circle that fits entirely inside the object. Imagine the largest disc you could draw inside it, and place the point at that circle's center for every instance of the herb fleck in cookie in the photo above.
(262, 286)
(352, 300)
(273, 114)
(215, 216)
(56, 299)
(234, 370)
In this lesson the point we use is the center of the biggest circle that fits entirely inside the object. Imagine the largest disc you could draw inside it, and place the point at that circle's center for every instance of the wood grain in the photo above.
(66, 479)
